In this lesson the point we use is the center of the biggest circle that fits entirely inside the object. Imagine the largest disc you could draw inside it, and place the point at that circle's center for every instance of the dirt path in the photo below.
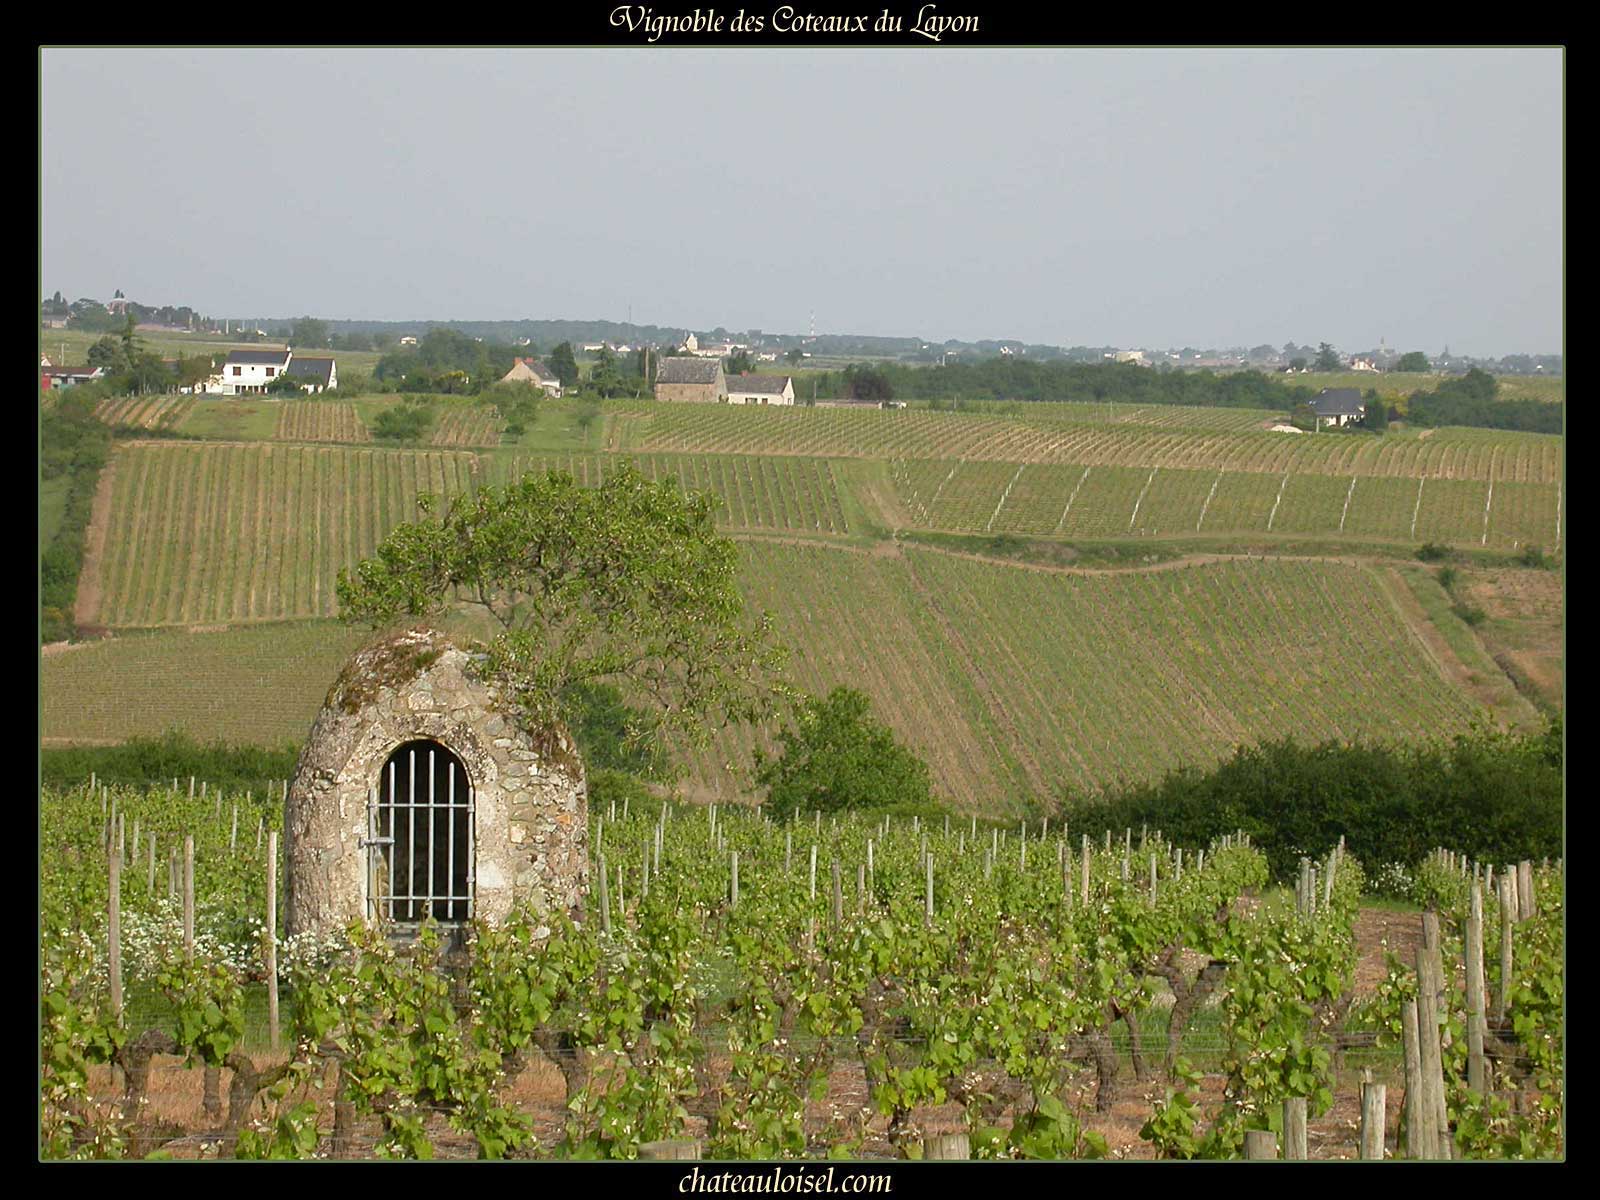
(86, 607)
(1379, 932)
(1455, 672)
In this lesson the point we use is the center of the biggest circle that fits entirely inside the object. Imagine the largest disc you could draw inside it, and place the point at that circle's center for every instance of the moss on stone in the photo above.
(393, 663)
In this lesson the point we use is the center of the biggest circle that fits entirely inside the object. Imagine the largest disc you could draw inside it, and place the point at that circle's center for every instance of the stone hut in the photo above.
(417, 793)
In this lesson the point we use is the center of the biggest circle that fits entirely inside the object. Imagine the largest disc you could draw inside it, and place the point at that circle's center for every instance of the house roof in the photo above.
(688, 370)
(312, 368)
(1338, 402)
(257, 358)
(72, 372)
(757, 385)
(524, 368)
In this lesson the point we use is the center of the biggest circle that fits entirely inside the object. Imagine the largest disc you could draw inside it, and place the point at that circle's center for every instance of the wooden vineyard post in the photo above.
(1152, 879)
(928, 900)
(233, 831)
(605, 899)
(788, 850)
(150, 875)
(1066, 881)
(813, 872)
(733, 881)
(1527, 904)
(114, 933)
(1432, 1053)
(1503, 995)
(861, 889)
(1083, 883)
(838, 896)
(644, 869)
(1294, 1129)
(1418, 1107)
(188, 899)
(1477, 1016)
(272, 937)
(1373, 1116)
(944, 1147)
(1261, 1145)
(172, 876)
(671, 1149)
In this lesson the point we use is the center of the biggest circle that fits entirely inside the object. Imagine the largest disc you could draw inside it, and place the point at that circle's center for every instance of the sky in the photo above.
(1131, 198)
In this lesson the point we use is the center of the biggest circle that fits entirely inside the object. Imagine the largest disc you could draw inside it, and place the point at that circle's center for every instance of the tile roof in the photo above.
(311, 368)
(256, 358)
(688, 370)
(1338, 402)
(757, 385)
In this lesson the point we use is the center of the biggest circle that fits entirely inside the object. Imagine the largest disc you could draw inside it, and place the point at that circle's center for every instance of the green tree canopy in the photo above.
(1327, 358)
(837, 756)
(739, 363)
(1376, 414)
(564, 364)
(628, 583)
(1415, 360)
(309, 333)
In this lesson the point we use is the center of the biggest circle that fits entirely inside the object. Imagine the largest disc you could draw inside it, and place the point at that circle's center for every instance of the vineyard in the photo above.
(1046, 698)
(756, 492)
(145, 412)
(468, 427)
(1097, 501)
(320, 421)
(923, 434)
(848, 989)
(203, 533)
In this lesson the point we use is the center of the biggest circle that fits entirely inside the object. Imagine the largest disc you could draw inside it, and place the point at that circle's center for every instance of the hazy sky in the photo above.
(1121, 197)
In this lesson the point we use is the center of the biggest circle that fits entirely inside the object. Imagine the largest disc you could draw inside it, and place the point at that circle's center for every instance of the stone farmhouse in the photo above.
(760, 389)
(691, 380)
(528, 370)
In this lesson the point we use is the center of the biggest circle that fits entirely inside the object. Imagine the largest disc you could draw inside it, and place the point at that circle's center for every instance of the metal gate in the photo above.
(420, 844)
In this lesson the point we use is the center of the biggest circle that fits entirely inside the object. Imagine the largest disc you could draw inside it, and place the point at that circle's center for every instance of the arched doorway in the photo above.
(421, 839)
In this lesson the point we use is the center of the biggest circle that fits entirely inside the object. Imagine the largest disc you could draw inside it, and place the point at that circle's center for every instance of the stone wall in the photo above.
(531, 823)
(691, 393)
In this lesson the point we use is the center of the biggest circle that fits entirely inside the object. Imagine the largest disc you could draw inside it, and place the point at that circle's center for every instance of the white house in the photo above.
(249, 372)
(314, 374)
(1338, 406)
(760, 389)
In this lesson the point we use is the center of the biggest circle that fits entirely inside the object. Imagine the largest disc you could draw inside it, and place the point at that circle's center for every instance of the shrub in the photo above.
(1432, 552)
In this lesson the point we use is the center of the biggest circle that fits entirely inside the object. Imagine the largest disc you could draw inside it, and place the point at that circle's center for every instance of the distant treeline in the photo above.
(1495, 796)
(1007, 378)
(1472, 399)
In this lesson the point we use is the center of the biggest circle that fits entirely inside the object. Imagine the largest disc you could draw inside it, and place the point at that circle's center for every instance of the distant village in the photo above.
(687, 369)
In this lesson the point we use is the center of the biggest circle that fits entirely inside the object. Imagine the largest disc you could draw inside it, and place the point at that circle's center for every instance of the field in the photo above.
(146, 412)
(203, 533)
(1099, 501)
(1000, 708)
(319, 421)
(920, 434)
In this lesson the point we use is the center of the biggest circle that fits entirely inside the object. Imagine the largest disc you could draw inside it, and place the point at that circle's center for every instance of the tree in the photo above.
(284, 385)
(1327, 358)
(868, 383)
(739, 363)
(1416, 360)
(1297, 364)
(109, 355)
(836, 756)
(564, 364)
(627, 583)
(308, 332)
(1376, 414)
(795, 355)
